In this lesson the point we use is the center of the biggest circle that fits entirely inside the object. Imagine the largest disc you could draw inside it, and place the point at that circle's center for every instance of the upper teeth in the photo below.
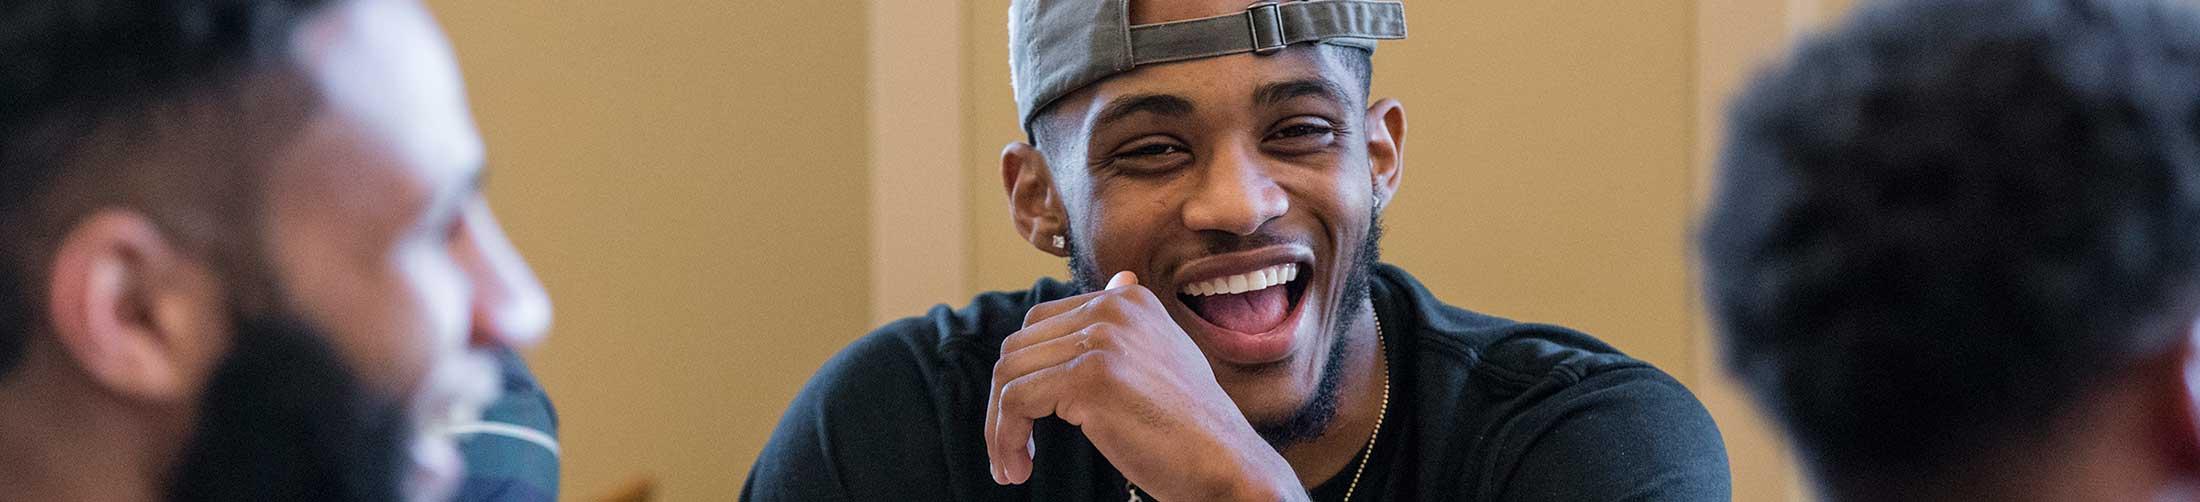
(1250, 281)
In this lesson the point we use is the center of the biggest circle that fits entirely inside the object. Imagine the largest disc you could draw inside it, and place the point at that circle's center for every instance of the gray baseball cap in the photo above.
(1058, 46)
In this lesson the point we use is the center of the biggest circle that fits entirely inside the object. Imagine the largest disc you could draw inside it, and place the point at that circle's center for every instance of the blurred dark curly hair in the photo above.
(72, 68)
(1940, 223)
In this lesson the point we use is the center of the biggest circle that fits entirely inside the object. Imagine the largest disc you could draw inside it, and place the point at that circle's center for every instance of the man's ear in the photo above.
(1033, 203)
(1386, 148)
(138, 317)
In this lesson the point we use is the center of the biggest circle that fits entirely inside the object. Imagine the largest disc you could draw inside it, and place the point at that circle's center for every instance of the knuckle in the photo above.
(1114, 300)
(1013, 398)
(1092, 366)
(1140, 295)
(1075, 414)
(1100, 333)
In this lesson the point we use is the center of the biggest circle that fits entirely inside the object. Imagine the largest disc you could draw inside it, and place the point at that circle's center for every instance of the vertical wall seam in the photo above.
(918, 209)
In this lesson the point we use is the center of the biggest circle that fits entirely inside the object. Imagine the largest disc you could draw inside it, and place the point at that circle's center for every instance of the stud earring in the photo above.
(1060, 243)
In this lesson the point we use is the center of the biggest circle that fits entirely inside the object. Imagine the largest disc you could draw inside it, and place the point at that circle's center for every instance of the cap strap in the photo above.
(1267, 27)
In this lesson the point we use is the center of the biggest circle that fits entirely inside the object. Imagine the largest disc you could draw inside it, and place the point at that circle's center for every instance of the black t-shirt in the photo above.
(1482, 408)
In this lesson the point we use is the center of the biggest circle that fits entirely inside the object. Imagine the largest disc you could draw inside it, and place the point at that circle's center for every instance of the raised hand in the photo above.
(1115, 364)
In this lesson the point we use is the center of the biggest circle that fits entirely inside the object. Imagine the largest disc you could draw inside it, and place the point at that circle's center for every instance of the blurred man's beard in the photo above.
(1313, 417)
(283, 418)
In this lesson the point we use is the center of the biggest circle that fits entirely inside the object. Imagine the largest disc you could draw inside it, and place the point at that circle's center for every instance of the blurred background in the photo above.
(720, 195)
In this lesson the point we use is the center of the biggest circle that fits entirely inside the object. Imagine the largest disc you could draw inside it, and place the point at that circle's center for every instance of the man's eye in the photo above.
(1153, 150)
(1302, 130)
(1151, 158)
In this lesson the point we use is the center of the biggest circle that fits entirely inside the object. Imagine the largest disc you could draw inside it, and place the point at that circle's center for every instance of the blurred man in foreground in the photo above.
(246, 253)
(1956, 247)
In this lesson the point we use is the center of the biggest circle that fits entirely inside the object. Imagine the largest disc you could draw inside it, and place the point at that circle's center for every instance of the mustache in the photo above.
(1084, 268)
(1218, 242)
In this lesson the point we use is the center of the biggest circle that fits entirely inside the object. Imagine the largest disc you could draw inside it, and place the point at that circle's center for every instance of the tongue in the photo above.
(1249, 312)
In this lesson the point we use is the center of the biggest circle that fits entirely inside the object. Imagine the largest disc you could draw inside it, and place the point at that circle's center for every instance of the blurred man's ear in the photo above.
(138, 317)
(1033, 203)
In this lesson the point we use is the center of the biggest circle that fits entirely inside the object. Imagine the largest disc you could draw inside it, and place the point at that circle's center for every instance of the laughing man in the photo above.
(1215, 172)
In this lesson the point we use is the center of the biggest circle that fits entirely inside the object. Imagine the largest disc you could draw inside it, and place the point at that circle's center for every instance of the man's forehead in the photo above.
(1161, 11)
(383, 67)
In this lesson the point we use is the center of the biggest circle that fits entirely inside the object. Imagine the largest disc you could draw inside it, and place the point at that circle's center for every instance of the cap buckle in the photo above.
(1264, 21)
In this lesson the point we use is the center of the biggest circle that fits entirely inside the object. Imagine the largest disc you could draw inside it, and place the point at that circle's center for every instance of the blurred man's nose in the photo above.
(510, 307)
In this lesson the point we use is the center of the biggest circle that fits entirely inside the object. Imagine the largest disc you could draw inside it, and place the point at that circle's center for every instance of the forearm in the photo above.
(1268, 489)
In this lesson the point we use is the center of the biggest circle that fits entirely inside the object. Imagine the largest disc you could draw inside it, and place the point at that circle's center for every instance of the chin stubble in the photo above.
(284, 419)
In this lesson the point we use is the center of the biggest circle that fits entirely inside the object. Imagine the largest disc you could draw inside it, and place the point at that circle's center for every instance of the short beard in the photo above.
(1314, 416)
(283, 418)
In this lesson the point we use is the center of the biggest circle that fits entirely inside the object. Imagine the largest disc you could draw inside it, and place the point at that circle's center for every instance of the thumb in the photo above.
(1121, 279)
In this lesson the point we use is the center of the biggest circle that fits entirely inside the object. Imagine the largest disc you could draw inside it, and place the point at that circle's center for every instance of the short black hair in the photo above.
(1940, 224)
(1360, 63)
(70, 69)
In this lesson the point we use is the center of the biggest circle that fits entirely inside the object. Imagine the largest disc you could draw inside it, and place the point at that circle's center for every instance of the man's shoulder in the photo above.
(943, 354)
(1538, 399)
(1501, 368)
(894, 410)
(974, 329)
(1508, 350)
(1498, 397)
(1527, 355)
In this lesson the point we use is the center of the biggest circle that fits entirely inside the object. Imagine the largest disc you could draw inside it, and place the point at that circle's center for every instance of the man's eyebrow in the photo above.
(1162, 104)
(1277, 93)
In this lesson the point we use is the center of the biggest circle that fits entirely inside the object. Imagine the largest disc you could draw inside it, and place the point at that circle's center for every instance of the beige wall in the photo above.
(688, 177)
(691, 180)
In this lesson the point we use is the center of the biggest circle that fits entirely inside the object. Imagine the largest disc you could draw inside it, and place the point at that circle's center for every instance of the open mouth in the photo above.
(1250, 303)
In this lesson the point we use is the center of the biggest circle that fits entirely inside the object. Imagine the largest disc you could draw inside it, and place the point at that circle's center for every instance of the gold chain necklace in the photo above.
(1365, 455)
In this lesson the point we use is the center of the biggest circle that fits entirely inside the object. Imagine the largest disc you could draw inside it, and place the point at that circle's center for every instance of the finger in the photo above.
(1066, 322)
(1051, 352)
(1029, 360)
(1121, 279)
(992, 410)
(1048, 310)
(1023, 362)
(1024, 400)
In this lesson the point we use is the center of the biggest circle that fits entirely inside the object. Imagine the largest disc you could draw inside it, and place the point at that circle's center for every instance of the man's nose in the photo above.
(510, 307)
(1236, 194)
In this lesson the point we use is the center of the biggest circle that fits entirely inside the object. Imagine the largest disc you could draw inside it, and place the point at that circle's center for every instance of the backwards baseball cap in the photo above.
(1058, 46)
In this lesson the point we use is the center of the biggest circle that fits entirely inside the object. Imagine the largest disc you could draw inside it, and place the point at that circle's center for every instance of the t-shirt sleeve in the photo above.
(863, 428)
(1631, 434)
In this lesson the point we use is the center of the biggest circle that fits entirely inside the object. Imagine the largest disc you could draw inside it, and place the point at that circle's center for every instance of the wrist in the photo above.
(1267, 481)
(1268, 492)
